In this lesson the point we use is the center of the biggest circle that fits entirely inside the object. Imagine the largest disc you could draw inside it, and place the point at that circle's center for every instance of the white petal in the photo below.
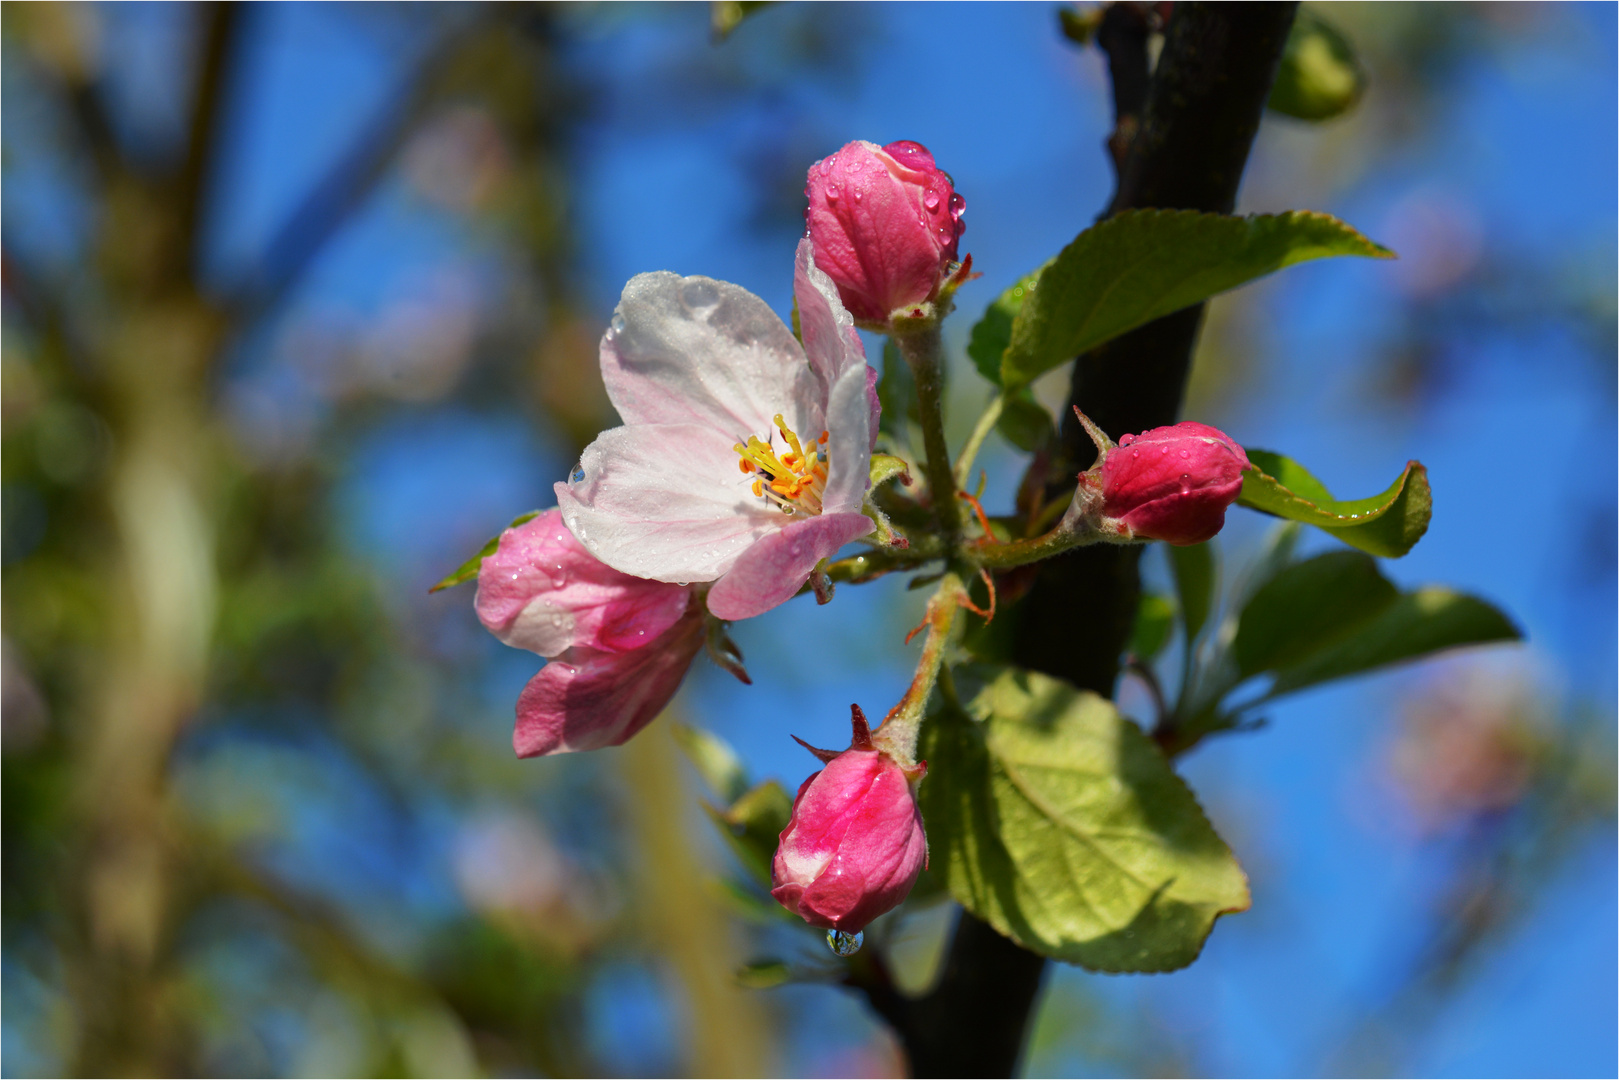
(666, 502)
(698, 351)
(830, 340)
(848, 419)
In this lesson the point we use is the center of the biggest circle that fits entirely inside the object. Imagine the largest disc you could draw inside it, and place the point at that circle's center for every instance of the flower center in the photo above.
(793, 481)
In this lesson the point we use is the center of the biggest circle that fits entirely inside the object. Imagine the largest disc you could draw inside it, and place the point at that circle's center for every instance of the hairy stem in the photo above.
(923, 353)
(899, 732)
(981, 430)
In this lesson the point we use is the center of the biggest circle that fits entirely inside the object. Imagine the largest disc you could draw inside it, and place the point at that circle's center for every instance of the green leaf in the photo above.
(992, 333)
(1319, 76)
(896, 390)
(1193, 566)
(1024, 422)
(752, 825)
(1307, 607)
(1059, 823)
(469, 569)
(1142, 264)
(1415, 625)
(763, 974)
(885, 467)
(1155, 618)
(1388, 524)
(716, 762)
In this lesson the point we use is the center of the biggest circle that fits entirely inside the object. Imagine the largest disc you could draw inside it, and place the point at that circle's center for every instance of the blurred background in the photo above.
(301, 305)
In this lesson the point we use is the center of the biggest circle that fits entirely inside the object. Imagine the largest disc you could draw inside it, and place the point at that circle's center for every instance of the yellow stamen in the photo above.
(794, 480)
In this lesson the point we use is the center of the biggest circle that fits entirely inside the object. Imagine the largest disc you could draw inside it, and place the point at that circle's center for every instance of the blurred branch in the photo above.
(334, 198)
(221, 31)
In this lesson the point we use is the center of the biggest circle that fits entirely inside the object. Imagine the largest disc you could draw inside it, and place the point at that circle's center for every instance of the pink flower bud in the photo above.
(619, 645)
(854, 845)
(884, 223)
(1172, 483)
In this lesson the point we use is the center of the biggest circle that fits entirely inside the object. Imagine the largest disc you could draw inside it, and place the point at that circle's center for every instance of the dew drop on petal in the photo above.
(930, 199)
(615, 325)
(831, 192)
(577, 476)
(682, 584)
(699, 294)
(844, 944)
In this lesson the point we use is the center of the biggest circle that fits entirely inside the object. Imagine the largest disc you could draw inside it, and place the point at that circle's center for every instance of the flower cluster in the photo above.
(743, 463)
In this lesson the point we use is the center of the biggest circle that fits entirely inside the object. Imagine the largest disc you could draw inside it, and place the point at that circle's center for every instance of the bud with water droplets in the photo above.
(885, 222)
(854, 845)
(618, 645)
(1170, 483)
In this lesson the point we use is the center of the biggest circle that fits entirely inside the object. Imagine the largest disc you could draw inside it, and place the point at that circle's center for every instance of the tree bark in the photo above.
(1202, 111)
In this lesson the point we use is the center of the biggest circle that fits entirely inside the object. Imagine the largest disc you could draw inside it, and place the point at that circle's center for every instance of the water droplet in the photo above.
(577, 476)
(831, 193)
(957, 205)
(1185, 454)
(699, 294)
(616, 324)
(930, 199)
(1127, 440)
(844, 944)
(857, 195)
(682, 584)
(788, 510)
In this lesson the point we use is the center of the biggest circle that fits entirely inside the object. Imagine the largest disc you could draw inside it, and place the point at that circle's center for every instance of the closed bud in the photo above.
(884, 222)
(854, 845)
(1171, 483)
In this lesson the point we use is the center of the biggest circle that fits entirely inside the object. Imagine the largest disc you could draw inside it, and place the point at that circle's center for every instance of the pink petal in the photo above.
(542, 591)
(588, 700)
(876, 404)
(830, 340)
(848, 452)
(699, 351)
(775, 568)
(666, 502)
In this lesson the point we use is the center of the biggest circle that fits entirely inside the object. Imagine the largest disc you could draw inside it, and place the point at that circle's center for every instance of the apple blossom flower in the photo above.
(854, 844)
(618, 645)
(745, 457)
(1170, 483)
(885, 221)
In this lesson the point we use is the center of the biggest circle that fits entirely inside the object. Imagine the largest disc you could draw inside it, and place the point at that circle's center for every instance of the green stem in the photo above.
(897, 737)
(986, 423)
(922, 352)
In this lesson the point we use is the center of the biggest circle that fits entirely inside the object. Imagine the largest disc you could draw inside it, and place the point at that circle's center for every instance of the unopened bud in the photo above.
(884, 222)
(854, 845)
(1171, 483)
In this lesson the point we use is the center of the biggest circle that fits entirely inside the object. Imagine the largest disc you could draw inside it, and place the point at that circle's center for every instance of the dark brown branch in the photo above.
(1122, 35)
(1199, 121)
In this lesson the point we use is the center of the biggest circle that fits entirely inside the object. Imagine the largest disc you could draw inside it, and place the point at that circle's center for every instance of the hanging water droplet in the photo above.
(930, 199)
(844, 944)
(616, 323)
(699, 295)
(577, 476)
(682, 584)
